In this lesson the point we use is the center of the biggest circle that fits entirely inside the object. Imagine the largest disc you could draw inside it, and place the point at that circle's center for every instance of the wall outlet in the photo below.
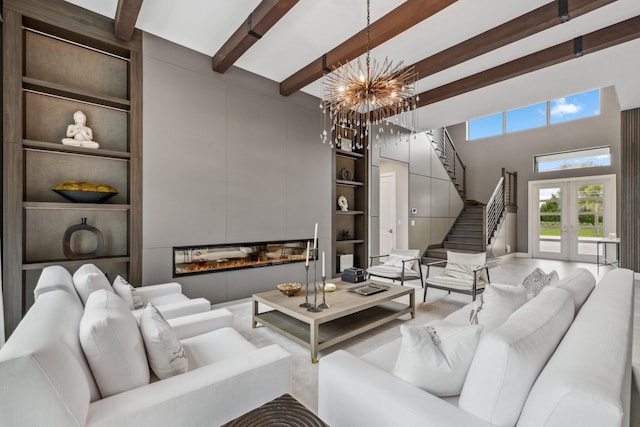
(508, 248)
(413, 222)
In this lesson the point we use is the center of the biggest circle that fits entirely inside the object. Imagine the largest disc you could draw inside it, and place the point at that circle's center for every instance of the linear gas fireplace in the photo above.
(188, 260)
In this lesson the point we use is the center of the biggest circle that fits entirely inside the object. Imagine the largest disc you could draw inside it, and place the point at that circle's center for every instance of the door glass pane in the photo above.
(590, 218)
(550, 224)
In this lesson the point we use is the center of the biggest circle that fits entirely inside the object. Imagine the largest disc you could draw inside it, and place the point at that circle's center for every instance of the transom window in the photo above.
(572, 107)
(575, 159)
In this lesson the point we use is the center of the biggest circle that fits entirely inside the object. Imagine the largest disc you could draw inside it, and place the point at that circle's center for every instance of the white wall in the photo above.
(227, 160)
(486, 157)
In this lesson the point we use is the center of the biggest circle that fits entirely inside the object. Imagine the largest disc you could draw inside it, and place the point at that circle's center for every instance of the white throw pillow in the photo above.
(493, 306)
(112, 344)
(88, 279)
(436, 356)
(164, 351)
(461, 265)
(537, 280)
(128, 293)
(396, 261)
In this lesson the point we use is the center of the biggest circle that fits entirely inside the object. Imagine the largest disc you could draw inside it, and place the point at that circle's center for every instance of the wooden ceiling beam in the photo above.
(263, 17)
(126, 17)
(526, 25)
(598, 40)
(405, 16)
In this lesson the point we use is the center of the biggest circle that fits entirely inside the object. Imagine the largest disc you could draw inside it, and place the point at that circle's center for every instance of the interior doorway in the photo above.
(567, 217)
(388, 202)
(394, 229)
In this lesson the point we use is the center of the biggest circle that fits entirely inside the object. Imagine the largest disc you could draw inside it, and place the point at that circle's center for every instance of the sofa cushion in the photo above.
(165, 353)
(112, 343)
(215, 346)
(437, 355)
(579, 283)
(509, 358)
(89, 278)
(56, 277)
(495, 305)
(537, 280)
(128, 293)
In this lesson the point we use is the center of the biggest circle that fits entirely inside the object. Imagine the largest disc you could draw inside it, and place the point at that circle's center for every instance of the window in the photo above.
(485, 126)
(559, 110)
(574, 107)
(586, 158)
(526, 117)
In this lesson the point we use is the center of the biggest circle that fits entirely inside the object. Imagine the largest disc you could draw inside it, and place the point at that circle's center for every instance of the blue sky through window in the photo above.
(485, 126)
(527, 117)
(575, 106)
(559, 110)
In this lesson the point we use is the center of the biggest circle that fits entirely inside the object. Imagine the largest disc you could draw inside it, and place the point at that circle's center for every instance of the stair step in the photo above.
(464, 239)
(465, 246)
(474, 234)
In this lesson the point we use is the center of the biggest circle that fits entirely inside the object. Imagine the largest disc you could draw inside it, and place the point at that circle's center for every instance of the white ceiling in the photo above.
(314, 27)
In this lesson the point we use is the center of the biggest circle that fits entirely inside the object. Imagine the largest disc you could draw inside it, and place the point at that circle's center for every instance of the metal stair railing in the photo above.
(450, 159)
(503, 196)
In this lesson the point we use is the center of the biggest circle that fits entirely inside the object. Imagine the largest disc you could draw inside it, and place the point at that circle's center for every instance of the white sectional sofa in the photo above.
(46, 379)
(542, 367)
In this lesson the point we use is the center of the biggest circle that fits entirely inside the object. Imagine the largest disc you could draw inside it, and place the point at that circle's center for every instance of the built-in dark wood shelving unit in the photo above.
(58, 59)
(355, 189)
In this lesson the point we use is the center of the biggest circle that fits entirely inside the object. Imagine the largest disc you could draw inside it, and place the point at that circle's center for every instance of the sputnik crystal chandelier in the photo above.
(366, 97)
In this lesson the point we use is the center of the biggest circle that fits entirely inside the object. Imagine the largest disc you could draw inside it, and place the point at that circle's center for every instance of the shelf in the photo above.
(81, 206)
(345, 183)
(349, 212)
(61, 148)
(354, 241)
(348, 154)
(73, 94)
(75, 262)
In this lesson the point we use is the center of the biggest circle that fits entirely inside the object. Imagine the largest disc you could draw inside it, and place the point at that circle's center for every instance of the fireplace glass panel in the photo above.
(188, 260)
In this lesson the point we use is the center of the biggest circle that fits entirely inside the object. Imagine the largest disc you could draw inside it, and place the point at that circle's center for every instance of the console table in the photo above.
(605, 259)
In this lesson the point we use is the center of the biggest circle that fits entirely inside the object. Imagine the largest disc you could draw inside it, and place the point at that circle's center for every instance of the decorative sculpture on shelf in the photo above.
(343, 204)
(83, 226)
(78, 134)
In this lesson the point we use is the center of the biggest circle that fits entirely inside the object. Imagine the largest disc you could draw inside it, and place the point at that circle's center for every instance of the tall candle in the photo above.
(306, 263)
(323, 275)
(315, 239)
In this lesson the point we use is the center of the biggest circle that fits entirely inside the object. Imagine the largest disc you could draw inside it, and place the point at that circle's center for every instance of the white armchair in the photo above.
(401, 265)
(464, 273)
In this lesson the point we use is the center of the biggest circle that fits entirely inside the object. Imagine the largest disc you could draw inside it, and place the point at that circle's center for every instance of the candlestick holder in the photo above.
(306, 303)
(324, 300)
(314, 308)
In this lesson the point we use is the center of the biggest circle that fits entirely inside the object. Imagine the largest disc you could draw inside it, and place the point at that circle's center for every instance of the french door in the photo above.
(568, 217)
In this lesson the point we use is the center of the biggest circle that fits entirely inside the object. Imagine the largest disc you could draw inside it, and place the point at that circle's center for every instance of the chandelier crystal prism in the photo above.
(359, 96)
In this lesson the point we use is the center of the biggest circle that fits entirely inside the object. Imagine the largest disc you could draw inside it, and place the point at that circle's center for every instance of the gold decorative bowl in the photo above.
(289, 289)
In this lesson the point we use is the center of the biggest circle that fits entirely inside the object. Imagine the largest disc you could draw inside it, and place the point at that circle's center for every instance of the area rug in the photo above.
(305, 374)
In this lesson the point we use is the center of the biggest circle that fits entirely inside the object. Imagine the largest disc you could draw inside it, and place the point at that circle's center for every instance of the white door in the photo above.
(387, 212)
(569, 217)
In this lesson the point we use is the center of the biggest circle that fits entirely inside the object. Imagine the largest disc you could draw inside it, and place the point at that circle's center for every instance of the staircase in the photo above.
(476, 225)
(466, 234)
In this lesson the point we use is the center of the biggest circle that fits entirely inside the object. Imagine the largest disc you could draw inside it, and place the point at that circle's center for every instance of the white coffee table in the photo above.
(350, 314)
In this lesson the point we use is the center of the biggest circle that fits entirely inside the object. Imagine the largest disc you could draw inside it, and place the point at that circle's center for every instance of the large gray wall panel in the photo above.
(630, 205)
(227, 160)
(184, 156)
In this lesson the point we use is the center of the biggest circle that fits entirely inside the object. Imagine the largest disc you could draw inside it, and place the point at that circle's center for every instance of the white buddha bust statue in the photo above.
(78, 134)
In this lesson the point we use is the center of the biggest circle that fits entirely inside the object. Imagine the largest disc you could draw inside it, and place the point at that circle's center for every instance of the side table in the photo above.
(282, 411)
(605, 260)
